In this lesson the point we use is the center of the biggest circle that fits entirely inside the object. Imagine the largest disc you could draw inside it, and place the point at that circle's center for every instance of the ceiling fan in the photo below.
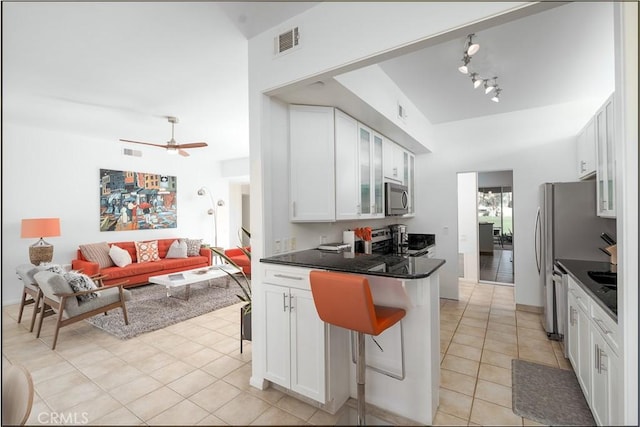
(172, 146)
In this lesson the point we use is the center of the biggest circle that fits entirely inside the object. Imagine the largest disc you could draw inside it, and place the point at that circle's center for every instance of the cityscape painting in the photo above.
(137, 201)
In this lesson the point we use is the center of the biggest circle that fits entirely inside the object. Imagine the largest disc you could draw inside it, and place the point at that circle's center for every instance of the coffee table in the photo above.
(188, 277)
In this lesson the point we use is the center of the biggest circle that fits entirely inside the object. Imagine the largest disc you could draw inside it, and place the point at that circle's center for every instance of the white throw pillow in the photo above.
(120, 257)
(178, 249)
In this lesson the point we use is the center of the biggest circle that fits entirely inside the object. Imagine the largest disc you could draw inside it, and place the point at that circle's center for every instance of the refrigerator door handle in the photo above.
(535, 240)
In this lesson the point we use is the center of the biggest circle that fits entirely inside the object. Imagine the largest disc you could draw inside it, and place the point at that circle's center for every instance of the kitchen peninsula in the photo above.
(315, 360)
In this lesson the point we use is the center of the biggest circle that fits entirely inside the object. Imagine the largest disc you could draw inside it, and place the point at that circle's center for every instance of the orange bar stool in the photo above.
(345, 300)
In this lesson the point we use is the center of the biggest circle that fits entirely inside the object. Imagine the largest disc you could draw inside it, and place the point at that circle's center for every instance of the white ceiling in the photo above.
(114, 70)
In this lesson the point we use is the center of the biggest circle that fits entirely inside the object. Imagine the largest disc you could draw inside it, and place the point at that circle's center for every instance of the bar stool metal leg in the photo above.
(360, 377)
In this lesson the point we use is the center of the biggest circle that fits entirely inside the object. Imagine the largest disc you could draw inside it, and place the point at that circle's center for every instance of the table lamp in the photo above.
(40, 251)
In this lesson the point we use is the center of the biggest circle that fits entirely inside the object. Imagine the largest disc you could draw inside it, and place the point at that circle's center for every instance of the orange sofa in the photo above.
(139, 273)
(240, 259)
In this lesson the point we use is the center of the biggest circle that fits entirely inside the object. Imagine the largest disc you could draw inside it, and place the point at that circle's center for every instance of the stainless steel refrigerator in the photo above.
(567, 227)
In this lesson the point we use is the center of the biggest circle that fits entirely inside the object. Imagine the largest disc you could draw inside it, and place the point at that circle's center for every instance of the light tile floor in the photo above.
(192, 373)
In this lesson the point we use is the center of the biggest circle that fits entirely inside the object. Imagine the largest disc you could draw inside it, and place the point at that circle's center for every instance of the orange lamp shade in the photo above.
(40, 227)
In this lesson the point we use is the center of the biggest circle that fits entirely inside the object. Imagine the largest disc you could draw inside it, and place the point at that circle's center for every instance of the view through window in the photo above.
(495, 204)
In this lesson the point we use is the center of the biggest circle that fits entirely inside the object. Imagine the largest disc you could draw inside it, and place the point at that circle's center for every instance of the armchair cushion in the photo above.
(240, 259)
(81, 282)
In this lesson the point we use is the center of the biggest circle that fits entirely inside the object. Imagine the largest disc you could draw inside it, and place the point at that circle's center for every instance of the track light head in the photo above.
(477, 82)
(496, 96)
(472, 48)
(488, 87)
(464, 69)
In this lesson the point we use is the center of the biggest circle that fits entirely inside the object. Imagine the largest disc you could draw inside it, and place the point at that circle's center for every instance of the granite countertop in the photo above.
(605, 297)
(397, 266)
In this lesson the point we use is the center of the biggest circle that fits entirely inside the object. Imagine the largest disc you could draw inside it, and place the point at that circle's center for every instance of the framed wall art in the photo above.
(137, 201)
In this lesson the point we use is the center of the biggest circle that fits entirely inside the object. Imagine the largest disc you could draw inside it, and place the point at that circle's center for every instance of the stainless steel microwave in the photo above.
(396, 199)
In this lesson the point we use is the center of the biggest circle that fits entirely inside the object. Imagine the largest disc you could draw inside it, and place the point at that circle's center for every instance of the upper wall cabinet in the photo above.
(605, 159)
(587, 151)
(311, 164)
(337, 166)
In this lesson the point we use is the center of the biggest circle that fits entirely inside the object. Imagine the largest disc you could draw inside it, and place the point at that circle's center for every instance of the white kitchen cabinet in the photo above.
(393, 156)
(358, 170)
(593, 351)
(605, 160)
(578, 340)
(605, 397)
(311, 164)
(295, 341)
(587, 151)
(347, 171)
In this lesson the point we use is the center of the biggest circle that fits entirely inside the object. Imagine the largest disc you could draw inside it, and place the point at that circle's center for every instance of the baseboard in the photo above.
(529, 308)
(10, 302)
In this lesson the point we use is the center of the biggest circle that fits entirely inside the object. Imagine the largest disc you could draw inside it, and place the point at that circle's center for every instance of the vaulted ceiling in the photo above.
(115, 70)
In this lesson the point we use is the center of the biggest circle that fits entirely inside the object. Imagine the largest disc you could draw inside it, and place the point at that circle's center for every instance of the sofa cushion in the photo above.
(193, 247)
(121, 273)
(186, 263)
(97, 252)
(178, 249)
(120, 257)
(147, 251)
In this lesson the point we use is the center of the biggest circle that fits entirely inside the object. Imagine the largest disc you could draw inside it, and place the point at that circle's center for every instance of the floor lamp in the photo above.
(212, 211)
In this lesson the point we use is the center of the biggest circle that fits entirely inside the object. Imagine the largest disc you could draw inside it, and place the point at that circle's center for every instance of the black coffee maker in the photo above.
(400, 238)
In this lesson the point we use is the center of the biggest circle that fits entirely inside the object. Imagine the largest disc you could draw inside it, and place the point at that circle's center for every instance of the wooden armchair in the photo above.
(58, 295)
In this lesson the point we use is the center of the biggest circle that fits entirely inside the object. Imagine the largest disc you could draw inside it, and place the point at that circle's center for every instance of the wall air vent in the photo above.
(130, 152)
(287, 41)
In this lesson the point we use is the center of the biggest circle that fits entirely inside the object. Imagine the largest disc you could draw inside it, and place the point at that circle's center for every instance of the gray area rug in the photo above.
(150, 309)
(551, 396)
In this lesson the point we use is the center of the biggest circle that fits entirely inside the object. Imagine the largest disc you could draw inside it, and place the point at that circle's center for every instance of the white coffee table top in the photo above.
(196, 275)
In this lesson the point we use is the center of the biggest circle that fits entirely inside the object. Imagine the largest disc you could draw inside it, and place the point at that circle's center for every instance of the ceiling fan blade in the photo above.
(192, 145)
(144, 143)
(183, 153)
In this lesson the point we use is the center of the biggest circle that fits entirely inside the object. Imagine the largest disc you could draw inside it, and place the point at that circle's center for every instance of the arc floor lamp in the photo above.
(212, 211)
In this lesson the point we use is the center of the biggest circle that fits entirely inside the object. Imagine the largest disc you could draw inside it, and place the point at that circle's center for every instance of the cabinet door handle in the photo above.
(603, 366)
(290, 303)
(572, 320)
(602, 326)
(582, 166)
(285, 276)
(597, 358)
(284, 302)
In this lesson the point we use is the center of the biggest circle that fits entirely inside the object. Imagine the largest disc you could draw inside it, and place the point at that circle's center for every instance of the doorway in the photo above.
(495, 227)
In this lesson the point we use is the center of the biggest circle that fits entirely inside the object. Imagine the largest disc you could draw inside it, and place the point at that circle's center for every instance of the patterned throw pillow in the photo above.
(120, 257)
(97, 252)
(178, 249)
(193, 247)
(54, 268)
(147, 251)
(81, 282)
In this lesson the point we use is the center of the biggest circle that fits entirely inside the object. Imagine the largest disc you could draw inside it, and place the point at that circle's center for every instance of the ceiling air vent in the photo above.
(130, 152)
(287, 41)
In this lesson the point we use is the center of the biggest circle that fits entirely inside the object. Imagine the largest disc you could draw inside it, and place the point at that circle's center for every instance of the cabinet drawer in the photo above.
(287, 276)
(580, 295)
(606, 326)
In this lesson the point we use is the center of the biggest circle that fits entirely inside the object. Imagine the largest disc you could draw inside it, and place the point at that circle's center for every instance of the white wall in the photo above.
(55, 174)
(467, 227)
(436, 201)
(495, 179)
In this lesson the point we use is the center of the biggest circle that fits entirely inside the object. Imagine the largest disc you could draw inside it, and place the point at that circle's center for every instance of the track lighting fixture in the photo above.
(472, 48)
(496, 96)
(490, 84)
